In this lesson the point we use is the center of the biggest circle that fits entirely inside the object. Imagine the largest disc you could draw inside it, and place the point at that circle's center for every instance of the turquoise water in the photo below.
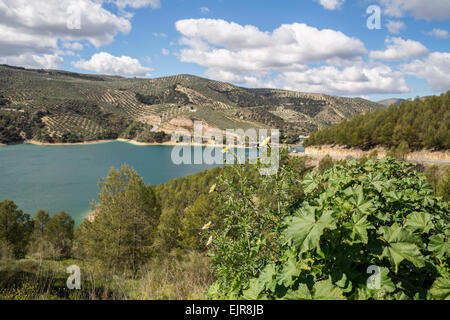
(56, 178)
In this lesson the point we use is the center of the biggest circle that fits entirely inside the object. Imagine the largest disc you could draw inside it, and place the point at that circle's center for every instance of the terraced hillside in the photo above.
(60, 106)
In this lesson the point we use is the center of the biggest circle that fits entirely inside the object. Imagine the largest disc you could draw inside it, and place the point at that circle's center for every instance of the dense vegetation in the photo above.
(15, 127)
(353, 216)
(413, 125)
(120, 247)
(170, 95)
(303, 233)
(142, 132)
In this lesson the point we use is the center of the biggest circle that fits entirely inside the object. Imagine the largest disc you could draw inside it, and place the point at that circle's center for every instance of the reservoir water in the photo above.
(56, 178)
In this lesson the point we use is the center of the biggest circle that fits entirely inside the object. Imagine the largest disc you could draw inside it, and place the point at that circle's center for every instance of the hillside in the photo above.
(60, 106)
(389, 102)
(413, 125)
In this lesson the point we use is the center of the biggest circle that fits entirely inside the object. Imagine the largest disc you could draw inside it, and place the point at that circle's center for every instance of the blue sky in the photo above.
(305, 45)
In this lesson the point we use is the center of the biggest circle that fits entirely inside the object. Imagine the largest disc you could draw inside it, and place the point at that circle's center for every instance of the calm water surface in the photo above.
(56, 178)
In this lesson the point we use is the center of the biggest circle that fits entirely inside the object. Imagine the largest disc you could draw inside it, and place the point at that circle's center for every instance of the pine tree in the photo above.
(121, 235)
(15, 228)
(39, 244)
(59, 232)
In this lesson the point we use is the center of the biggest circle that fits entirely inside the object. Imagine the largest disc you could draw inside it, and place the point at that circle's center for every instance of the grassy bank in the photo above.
(177, 276)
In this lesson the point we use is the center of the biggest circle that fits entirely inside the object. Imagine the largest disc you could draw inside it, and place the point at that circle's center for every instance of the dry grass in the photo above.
(175, 276)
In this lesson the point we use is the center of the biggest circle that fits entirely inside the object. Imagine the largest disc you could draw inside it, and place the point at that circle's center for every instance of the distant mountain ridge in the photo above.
(62, 106)
(391, 101)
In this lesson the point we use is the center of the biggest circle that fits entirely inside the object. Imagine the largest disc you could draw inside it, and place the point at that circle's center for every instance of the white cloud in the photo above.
(331, 4)
(106, 63)
(398, 49)
(420, 9)
(293, 56)
(33, 29)
(73, 46)
(230, 46)
(155, 4)
(395, 27)
(47, 21)
(435, 69)
(439, 33)
(204, 9)
(14, 43)
(45, 61)
(159, 35)
(165, 52)
(355, 80)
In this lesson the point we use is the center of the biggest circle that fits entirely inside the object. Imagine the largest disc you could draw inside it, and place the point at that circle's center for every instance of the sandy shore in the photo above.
(173, 143)
(137, 143)
(133, 142)
(39, 143)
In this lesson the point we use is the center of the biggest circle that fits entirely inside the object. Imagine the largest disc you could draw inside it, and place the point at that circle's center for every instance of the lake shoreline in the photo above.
(133, 142)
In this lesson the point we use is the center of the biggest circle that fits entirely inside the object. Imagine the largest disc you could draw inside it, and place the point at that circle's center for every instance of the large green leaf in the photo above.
(419, 221)
(305, 230)
(253, 292)
(360, 203)
(393, 196)
(441, 289)
(341, 280)
(377, 181)
(401, 245)
(386, 282)
(326, 290)
(359, 226)
(310, 182)
(302, 293)
(267, 277)
(289, 273)
(439, 245)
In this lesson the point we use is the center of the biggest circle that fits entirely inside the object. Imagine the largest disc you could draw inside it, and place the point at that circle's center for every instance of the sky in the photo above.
(373, 49)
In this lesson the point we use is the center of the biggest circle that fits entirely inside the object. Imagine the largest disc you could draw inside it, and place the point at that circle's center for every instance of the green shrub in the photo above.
(251, 209)
(354, 216)
(325, 163)
(443, 186)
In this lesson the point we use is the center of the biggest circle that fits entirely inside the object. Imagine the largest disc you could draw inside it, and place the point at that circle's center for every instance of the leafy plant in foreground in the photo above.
(355, 216)
(252, 206)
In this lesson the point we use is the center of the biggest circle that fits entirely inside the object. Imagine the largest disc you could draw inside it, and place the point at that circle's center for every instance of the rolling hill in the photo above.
(61, 106)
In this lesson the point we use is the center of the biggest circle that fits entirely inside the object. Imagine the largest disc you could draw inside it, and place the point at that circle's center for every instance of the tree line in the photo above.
(423, 123)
